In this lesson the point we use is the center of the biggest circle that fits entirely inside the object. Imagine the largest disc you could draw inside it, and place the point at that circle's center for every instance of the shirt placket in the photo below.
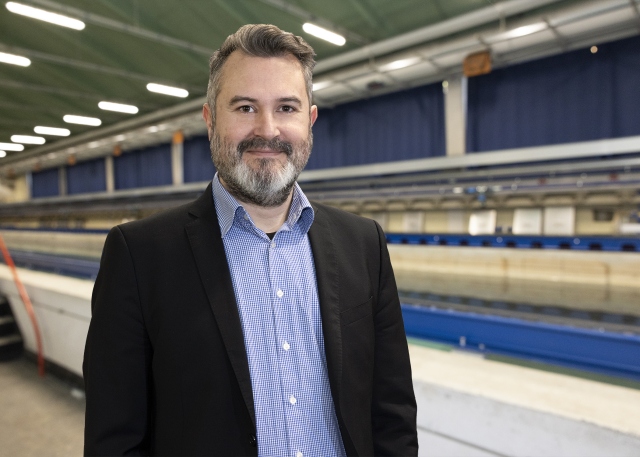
(283, 294)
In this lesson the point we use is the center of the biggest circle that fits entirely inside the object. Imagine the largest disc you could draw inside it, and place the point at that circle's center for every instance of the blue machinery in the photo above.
(594, 350)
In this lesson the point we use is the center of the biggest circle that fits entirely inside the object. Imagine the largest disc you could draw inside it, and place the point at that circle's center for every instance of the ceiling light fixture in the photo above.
(51, 131)
(118, 107)
(518, 32)
(14, 59)
(3, 154)
(27, 139)
(43, 15)
(398, 64)
(82, 120)
(11, 147)
(324, 34)
(321, 85)
(167, 90)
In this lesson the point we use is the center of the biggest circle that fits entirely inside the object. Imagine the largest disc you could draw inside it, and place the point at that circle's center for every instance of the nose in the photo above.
(266, 126)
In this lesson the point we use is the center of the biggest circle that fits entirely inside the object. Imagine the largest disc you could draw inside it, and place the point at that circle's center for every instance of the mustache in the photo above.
(275, 144)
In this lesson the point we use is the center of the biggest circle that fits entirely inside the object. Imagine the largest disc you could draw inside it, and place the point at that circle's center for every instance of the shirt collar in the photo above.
(229, 209)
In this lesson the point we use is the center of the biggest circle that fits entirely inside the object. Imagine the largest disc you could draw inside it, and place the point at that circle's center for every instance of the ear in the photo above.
(206, 115)
(314, 114)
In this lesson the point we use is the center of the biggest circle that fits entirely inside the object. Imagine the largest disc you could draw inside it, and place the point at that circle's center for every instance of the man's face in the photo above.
(262, 138)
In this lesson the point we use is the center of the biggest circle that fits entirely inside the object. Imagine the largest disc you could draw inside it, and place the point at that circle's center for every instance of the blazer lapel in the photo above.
(328, 278)
(208, 249)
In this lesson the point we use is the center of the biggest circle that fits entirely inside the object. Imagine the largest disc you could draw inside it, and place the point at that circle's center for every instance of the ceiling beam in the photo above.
(309, 17)
(372, 19)
(112, 24)
(59, 60)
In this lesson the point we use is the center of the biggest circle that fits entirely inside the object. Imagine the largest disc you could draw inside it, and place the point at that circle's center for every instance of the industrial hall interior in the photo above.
(495, 142)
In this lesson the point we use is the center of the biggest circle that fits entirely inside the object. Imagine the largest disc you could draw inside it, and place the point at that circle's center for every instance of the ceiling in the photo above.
(129, 43)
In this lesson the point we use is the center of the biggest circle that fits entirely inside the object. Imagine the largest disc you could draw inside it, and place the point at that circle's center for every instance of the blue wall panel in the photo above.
(86, 177)
(45, 183)
(143, 168)
(576, 96)
(197, 160)
(399, 126)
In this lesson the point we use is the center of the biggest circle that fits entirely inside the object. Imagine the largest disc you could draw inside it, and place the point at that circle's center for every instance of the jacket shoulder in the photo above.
(176, 216)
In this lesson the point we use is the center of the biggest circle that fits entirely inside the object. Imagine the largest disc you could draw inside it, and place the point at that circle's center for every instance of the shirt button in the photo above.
(273, 244)
(286, 346)
(292, 400)
(279, 293)
(298, 454)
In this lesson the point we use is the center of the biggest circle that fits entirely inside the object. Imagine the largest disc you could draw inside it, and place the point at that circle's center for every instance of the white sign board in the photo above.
(527, 221)
(413, 222)
(560, 220)
(483, 222)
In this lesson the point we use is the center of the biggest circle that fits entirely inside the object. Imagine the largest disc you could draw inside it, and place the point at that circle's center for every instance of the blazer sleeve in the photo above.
(117, 358)
(394, 404)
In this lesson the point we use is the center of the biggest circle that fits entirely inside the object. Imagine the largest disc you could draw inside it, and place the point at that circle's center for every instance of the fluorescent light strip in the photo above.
(82, 120)
(11, 147)
(14, 60)
(118, 107)
(324, 34)
(398, 64)
(3, 154)
(167, 90)
(51, 131)
(321, 85)
(42, 15)
(27, 139)
(517, 32)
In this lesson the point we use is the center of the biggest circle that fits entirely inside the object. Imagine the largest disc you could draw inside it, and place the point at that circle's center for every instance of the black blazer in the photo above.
(165, 367)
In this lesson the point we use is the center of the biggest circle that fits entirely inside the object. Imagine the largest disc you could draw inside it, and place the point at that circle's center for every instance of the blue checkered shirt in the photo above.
(277, 297)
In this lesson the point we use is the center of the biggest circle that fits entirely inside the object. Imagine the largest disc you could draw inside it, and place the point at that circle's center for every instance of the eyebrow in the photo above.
(244, 98)
(241, 98)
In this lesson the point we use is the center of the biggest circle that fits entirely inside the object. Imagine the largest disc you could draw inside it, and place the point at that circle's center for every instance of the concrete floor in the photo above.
(38, 416)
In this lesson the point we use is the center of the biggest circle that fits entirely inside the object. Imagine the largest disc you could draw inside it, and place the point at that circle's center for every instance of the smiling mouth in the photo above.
(265, 148)
(264, 153)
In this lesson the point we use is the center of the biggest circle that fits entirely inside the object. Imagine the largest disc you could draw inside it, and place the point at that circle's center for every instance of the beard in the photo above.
(265, 182)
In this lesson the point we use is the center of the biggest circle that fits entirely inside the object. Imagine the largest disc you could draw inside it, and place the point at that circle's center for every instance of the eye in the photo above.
(246, 109)
(288, 109)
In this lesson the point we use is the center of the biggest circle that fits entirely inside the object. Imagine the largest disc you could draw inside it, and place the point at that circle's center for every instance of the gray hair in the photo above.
(259, 40)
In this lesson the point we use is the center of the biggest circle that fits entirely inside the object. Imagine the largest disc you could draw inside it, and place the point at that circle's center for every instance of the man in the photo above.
(250, 322)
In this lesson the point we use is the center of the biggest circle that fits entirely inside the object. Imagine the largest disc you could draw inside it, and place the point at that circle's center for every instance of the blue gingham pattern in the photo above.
(276, 292)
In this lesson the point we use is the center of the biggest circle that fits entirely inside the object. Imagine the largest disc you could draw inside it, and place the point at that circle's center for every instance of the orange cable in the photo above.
(27, 303)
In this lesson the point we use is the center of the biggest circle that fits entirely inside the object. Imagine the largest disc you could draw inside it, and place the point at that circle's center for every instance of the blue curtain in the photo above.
(45, 183)
(197, 160)
(576, 96)
(143, 168)
(398, 126)
(86, 177)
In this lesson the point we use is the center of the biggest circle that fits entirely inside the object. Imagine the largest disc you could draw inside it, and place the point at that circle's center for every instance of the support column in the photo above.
(62, 181)
(177, 158)
(109, 175)
(455, 112)
(28, 180)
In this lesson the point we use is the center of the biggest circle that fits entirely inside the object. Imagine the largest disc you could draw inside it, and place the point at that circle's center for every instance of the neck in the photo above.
(267, 219)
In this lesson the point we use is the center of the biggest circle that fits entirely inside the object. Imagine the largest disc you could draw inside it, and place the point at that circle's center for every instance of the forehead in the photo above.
(243, 74)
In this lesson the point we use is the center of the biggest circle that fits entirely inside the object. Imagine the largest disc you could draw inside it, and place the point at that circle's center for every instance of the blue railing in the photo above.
(578, 243)
(608, 353)
(69, 266)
